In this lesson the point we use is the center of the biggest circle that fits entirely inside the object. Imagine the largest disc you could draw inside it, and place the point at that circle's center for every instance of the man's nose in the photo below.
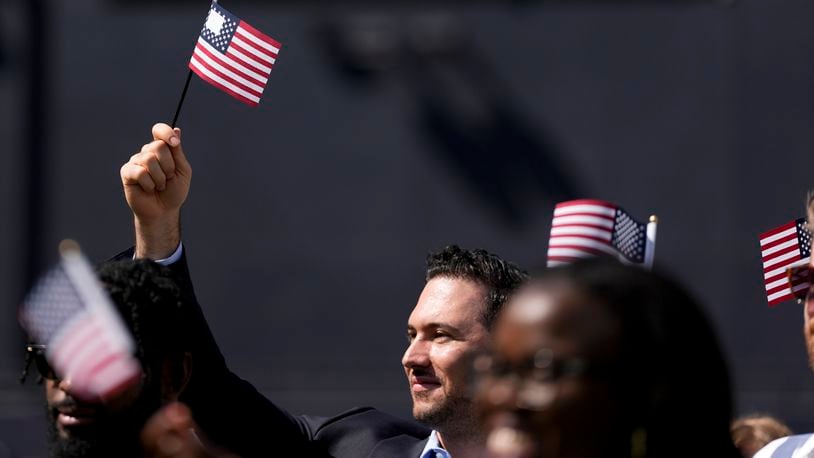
(417, 354)
(64, 384)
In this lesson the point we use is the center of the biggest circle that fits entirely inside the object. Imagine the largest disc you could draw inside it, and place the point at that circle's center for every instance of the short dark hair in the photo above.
(500, 277)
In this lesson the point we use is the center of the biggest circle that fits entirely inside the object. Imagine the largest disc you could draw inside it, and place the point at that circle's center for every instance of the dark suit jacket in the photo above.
(233, 414)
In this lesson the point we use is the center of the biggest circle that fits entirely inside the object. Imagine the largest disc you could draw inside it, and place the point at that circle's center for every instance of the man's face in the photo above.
(445, 332)
(90, 429)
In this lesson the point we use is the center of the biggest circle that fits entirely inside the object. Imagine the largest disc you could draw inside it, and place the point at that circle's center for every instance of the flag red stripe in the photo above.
(259, 35)
(585, 249)
(227, 62)
(222, 87)
(229, 78)
(553, 238)
(792, 249)
(599, 203)
(774, 231)
(780, 299)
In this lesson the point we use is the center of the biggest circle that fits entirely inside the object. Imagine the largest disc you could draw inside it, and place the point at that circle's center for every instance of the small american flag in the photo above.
(586, 228)
(234, 56)
(86, 340)
(786, 246)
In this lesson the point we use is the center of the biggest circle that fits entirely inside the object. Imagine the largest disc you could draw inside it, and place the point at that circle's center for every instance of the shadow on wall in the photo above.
(462, 106)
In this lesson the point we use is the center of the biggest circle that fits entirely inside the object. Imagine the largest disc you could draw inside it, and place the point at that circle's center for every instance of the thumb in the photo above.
(182, 165)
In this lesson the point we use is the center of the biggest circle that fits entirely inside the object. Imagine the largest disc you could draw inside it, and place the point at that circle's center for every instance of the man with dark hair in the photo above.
(153, 309)
(448, 327)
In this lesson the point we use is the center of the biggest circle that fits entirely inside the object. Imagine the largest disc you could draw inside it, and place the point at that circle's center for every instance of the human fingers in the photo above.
(137, 175)
(148, 158)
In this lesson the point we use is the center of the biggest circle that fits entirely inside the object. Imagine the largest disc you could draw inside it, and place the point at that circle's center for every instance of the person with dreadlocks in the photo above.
(153, 308)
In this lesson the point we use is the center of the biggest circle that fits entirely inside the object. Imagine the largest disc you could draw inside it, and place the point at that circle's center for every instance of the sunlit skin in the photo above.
(808, 309)
(526, 412)
(75, 416)
(445, 331)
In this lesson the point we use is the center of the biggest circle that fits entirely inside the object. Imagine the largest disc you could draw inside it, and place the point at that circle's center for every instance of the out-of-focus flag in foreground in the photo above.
(86, 340)
(586, 228)
(234, 56)
(786, 246)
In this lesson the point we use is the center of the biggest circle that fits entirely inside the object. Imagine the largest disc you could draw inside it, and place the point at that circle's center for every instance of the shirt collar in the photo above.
(433, 449)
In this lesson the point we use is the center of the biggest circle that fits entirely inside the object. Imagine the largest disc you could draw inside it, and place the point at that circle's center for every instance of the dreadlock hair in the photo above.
(152, 306)
(500, 277)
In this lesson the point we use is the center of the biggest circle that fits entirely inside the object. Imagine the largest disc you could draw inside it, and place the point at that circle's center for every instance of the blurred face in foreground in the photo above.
(78, 428)
(544, 391)
(808, 308)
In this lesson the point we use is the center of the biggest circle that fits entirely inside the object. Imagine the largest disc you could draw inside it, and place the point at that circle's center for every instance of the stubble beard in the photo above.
(453, 415)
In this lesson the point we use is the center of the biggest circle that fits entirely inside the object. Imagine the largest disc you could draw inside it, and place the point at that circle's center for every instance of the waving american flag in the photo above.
(234, 56)
(588, 227)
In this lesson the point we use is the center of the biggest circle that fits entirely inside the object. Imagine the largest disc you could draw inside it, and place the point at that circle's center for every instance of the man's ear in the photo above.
(176, 371)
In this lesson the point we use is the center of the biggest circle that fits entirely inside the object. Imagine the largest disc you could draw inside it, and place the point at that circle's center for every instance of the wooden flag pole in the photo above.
(181, 102)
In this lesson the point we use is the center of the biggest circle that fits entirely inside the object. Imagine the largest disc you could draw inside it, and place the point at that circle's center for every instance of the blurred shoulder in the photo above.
(797, 446)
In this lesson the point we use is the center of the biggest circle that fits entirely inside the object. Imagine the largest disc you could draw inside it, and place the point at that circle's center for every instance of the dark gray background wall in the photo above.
(310, 216)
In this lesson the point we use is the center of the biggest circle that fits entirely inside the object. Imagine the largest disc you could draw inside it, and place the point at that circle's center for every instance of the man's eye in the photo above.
(442, 335)
(410, 337)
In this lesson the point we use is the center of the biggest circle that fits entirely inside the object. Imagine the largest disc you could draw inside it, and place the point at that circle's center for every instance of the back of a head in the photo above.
(500, 277)
(753, 432)
(672, 374)
(151, 305)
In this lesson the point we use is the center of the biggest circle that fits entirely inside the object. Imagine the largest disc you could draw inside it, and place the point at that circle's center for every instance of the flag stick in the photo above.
(181, 102)
(650, 245)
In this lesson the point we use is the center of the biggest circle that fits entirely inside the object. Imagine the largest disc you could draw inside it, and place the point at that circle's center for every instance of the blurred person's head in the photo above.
(598, 359)
(808, 308)
(451, 323)
(151, 305)
(752, 432)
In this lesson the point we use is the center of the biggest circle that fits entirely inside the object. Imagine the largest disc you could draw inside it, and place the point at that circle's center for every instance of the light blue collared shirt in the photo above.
(433, 448)
(172, 259)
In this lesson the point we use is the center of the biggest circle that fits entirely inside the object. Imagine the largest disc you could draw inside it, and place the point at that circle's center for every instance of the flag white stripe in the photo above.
(581, 219)
(776, 283)
(580, 241)
(222, 81)
(801, 286)
(222, 69)
(772, 273)
(779, 247)
(264, 57)
(248, 60)
(115, 373)
(250, 36)
(779, 259)
(581, 230)
(229, 61)
(595, 209)
(778, 236)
